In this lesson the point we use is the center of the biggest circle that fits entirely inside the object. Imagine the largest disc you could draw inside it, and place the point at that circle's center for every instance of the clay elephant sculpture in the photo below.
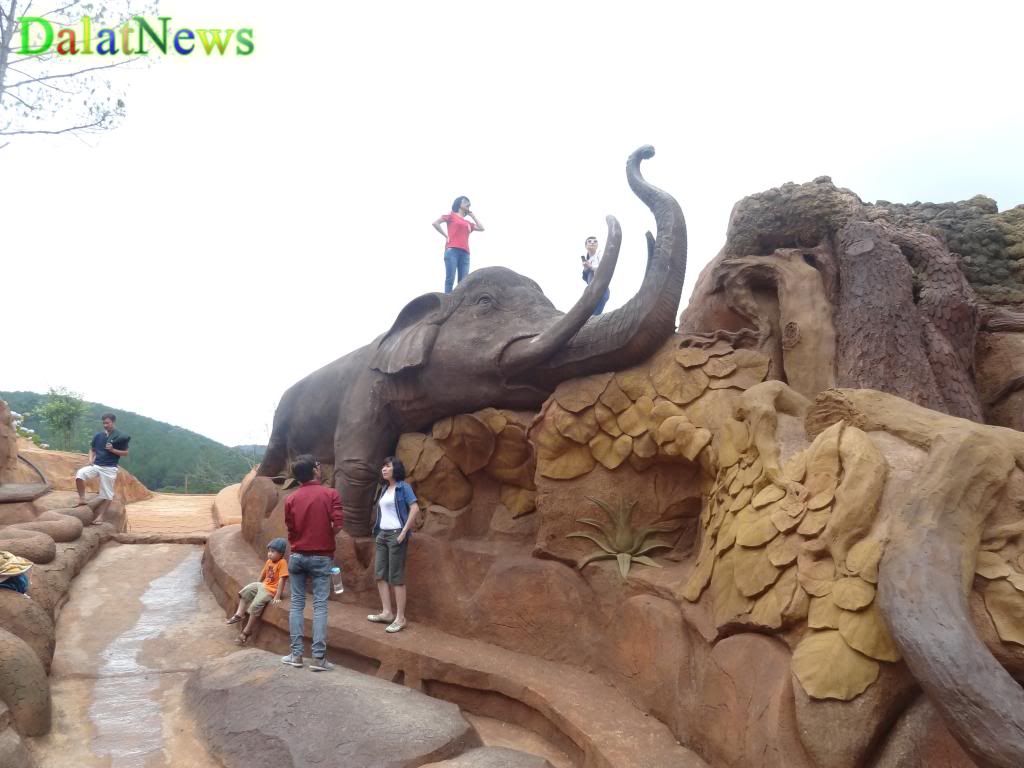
(495, 341)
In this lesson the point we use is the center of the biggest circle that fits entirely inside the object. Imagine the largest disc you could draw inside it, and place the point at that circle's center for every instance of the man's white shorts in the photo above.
(107, 476)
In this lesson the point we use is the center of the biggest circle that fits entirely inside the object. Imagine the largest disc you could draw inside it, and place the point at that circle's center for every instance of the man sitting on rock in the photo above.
(268, 587)
(313, 516)
(105, 452)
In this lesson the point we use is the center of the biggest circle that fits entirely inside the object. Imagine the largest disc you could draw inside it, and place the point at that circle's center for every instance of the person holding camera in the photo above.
(591, 261)
(456, 253)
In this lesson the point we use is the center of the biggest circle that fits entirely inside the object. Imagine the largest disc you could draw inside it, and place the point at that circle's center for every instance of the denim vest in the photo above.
(404, 499)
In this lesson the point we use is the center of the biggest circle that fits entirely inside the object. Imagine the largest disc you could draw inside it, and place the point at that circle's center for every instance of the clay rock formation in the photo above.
(990, 242)
(845, 293)
(45, 527)
(227, 506)
(59, 467)
(492, 441)
(339, 719)
(791, 531)
(493, 757)
(8, 445)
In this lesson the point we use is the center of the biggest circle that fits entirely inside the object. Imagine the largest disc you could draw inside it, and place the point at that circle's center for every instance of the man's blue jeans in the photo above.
(455, 259)
(318, 568)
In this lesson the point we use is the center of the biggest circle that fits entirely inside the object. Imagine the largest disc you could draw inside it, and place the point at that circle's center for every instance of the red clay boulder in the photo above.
(338, 719)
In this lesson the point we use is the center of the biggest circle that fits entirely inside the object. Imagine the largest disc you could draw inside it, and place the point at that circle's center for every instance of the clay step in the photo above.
(160, 538)
(12, 492)
(606, 729)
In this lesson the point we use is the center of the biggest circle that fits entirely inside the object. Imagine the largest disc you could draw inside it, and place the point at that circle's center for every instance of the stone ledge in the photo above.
(605, 728)
(160, 538)
(13, 492)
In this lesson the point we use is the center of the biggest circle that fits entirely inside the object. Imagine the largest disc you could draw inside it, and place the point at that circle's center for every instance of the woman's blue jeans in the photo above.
(318, 568)
(455, 259)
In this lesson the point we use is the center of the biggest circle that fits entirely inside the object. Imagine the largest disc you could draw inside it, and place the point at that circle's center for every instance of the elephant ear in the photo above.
(408, 343)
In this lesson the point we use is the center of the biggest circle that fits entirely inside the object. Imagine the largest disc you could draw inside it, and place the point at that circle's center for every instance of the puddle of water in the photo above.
(125, 711)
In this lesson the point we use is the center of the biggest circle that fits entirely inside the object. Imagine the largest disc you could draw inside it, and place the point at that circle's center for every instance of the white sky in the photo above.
(256, 217)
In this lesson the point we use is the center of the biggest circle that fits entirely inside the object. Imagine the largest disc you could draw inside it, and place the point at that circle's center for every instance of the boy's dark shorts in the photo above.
(389, 564)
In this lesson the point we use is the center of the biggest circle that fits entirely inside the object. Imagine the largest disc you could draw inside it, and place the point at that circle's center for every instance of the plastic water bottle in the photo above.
(336, 580)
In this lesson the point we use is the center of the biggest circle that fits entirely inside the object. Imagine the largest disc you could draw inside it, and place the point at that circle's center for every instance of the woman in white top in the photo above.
(396, 511)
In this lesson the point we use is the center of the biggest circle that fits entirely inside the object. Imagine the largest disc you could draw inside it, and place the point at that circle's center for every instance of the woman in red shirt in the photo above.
(456, 253)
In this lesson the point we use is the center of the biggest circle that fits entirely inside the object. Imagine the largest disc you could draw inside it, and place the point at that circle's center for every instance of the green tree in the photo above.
(62, 410)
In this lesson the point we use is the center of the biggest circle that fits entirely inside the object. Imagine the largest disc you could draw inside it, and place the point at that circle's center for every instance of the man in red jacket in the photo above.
(313, 516)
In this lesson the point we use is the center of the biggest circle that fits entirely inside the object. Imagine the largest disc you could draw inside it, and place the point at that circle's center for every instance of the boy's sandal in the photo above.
(395, 627)
(242, 638)
(380, 618)
(233, 620)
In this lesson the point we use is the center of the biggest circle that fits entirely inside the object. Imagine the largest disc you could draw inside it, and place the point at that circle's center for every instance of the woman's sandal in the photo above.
(394, 626)
(233, 620)
(380, 618)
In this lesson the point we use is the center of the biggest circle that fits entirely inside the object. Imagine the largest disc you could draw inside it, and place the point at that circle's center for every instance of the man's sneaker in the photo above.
(321, 665)
(293, 661)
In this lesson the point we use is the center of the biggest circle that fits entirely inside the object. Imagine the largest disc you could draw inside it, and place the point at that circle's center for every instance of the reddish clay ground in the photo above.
(172, 513)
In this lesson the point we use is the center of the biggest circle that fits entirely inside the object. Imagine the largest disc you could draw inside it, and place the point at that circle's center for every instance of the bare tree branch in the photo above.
(16, 96)
(42, 57)
(52, 133)
(5, 144)
(61, 9)
(72, 74)
(48, 85)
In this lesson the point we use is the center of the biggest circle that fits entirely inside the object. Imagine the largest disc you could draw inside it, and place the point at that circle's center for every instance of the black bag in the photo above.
(119, 440)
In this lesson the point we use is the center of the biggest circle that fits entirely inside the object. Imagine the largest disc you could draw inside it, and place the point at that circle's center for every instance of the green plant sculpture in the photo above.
(620, 540)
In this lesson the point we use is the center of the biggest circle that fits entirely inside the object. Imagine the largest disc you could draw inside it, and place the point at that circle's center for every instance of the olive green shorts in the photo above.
(258, 594)
(389, 564)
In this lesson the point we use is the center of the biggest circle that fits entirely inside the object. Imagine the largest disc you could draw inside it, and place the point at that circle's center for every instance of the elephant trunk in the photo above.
(635, 331)
(927, 570)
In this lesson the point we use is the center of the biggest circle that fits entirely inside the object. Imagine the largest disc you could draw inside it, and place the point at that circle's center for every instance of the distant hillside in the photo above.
(160, 455)
(252, 452)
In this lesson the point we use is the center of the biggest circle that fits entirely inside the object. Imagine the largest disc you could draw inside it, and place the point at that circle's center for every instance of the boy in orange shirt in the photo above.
(269, 587)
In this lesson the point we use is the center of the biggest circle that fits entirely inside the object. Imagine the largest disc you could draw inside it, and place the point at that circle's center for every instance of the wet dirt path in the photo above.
(137, 621)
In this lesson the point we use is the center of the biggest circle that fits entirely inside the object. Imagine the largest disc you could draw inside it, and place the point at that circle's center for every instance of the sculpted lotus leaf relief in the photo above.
(492, 442)
(773, 540)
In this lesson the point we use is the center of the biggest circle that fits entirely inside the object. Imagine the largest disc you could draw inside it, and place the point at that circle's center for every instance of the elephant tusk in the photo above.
(635, 330)
(526, 353)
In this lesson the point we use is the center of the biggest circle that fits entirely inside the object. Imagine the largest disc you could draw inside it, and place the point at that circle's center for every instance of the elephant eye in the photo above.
(485, 300)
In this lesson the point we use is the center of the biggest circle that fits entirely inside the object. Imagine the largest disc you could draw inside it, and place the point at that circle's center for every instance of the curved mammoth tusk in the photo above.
(526, 353)
(635, 330)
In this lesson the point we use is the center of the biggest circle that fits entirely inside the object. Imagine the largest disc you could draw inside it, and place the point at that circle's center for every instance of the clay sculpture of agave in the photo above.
(618, 538)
